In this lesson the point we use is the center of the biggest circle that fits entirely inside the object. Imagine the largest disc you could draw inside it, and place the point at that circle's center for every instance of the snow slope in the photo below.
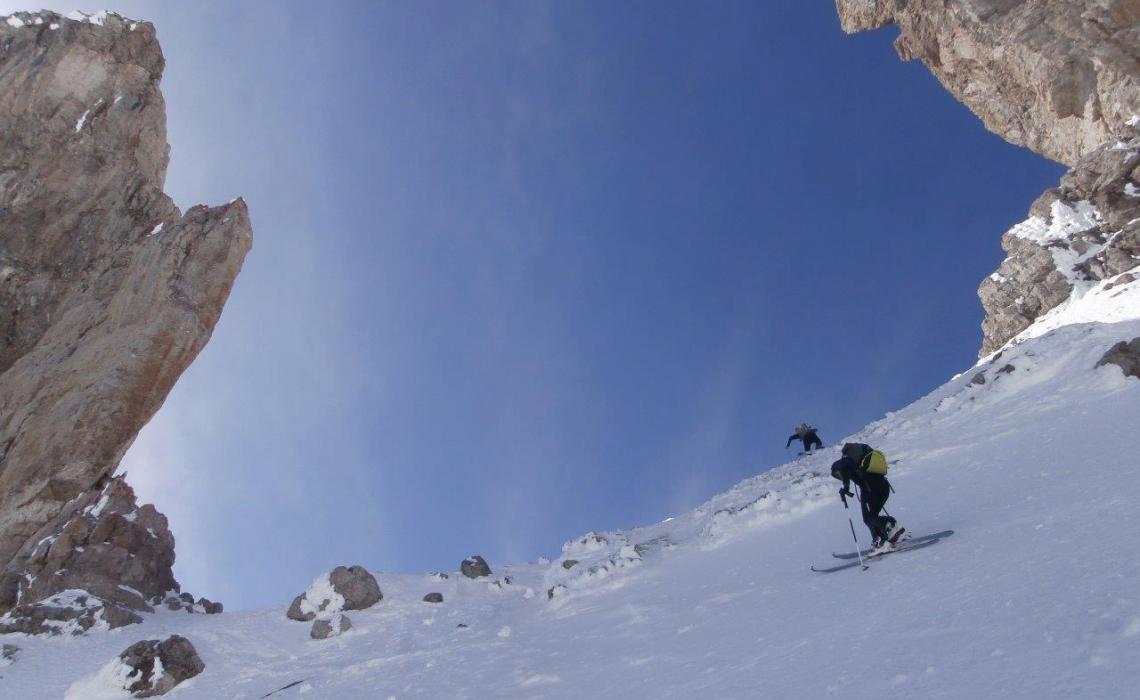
(1036, 594)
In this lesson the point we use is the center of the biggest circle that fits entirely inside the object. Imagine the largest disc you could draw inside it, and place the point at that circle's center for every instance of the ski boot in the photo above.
(895, 532)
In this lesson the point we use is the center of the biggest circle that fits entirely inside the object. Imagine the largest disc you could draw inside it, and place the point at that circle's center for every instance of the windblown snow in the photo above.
(1035, 594)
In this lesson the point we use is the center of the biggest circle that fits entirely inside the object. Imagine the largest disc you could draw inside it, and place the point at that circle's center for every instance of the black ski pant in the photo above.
(812, 440)
(873, 495)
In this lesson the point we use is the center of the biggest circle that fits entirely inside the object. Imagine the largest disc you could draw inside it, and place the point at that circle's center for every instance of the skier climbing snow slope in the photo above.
(1034, 596)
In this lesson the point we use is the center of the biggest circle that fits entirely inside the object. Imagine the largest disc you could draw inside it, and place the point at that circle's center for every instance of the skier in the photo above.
(867, 468)
(806, 433)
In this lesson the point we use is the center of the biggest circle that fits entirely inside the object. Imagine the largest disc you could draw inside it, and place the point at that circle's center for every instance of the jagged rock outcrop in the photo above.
(1079, 234)
(109, 291)
(103, 560)
(1063, 79)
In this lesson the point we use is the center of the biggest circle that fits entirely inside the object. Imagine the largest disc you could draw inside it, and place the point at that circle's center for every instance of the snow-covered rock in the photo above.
(1078, 235)
(69, 612)
(112, 557)
(343, 588)
(332, 627)
(474, 567)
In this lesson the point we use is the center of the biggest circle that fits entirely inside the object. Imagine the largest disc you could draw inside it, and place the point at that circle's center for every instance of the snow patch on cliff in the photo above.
(1065, 220)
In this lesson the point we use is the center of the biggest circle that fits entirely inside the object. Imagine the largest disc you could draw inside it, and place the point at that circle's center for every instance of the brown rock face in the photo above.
(1063, 79)
(1057, 76)
(109, 292)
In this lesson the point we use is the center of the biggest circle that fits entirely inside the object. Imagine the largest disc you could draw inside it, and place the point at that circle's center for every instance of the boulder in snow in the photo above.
(569, 563)
(210, 607)
(323, 629)
(8, 653)
(156, 667)
(433, 598)
(344, 588)
(475, 567)
(1125, 355)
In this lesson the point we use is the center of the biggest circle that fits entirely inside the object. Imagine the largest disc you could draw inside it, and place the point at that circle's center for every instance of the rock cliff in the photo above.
(1061, 77)
(108, 290)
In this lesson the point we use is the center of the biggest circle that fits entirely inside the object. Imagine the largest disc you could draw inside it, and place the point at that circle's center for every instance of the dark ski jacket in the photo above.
(847, 468)
(807, 437)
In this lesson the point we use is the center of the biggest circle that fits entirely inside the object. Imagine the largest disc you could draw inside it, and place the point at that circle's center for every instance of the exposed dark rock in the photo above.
(433, 598)
(323, 629)
(69, 612)
(296, 613)
(979, 379)
(474, 567)
(344, 588)
(177, 661)
(1125, 355)
(8, 654)
(569, 563)
(209, 607)
(1007, 369)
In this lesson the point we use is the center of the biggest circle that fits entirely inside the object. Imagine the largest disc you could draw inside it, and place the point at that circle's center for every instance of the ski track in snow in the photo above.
(1035, 595)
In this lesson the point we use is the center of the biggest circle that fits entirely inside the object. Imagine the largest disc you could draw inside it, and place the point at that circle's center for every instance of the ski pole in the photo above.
(852, 524)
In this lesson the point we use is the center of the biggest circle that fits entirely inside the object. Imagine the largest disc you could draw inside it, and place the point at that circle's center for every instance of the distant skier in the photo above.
(867, 468)
(807, 434)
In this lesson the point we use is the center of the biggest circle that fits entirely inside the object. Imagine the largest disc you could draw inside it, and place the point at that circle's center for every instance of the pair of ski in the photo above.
(870, 555)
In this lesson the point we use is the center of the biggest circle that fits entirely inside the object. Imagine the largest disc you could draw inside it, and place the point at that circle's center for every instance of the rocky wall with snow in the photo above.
(109, 290)
(98, 564)
(1061, 78)
(1079, 234)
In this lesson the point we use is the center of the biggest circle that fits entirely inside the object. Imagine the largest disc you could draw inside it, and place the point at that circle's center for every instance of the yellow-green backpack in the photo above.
(875, 462)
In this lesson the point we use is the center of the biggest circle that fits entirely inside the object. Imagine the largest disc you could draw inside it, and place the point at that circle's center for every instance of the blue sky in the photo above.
(523, 270)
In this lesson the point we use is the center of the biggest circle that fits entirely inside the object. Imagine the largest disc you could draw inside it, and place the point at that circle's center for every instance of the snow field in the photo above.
(1034, 596)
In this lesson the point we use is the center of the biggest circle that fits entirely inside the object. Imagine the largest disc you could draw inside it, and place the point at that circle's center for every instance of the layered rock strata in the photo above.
(108, 290)
(1062, 78)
